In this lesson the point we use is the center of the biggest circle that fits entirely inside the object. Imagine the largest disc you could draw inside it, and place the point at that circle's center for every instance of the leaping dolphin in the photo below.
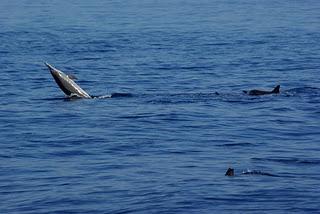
(256, 92)
(66, 84)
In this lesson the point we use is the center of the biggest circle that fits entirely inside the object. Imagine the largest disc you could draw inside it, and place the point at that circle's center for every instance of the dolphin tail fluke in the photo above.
(276, 90)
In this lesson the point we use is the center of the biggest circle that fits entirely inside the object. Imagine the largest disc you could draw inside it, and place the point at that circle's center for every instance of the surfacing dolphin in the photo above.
(256, 92)
(66, 84)
(230, 173)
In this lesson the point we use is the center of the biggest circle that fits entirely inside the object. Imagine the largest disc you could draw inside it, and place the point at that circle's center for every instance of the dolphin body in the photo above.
(66, 84)
(256, 92)
(73, 90)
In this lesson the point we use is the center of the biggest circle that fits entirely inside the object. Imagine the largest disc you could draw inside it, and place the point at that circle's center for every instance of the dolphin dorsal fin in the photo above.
(276, 90)
(71, 76)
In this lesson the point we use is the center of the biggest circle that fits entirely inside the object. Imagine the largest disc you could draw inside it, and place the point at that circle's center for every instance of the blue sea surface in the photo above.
(166, 148)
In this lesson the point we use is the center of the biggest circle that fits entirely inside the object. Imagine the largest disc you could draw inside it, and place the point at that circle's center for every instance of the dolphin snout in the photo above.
(54, 72)
(51, 68)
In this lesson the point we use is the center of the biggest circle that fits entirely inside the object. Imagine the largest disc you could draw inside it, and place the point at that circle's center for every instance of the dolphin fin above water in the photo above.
(256, 92)
(66, 83)
(71, 76)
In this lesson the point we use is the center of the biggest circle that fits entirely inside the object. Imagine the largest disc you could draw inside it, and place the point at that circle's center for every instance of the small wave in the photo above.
(102, 97)
(257, 172)
(174, 68)
(114, 95)
(218, 44)
(181, 98)
(71, 153)
(236, 145)
(61, 98)
(138, 116)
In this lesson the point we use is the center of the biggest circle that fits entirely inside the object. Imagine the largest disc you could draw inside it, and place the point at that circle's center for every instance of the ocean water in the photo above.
(166, 148)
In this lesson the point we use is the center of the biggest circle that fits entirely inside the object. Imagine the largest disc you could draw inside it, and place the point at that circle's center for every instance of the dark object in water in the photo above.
(230, 172)
(256, 92)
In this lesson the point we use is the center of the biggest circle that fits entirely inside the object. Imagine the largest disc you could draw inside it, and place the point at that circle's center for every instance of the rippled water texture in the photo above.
(165, 148)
